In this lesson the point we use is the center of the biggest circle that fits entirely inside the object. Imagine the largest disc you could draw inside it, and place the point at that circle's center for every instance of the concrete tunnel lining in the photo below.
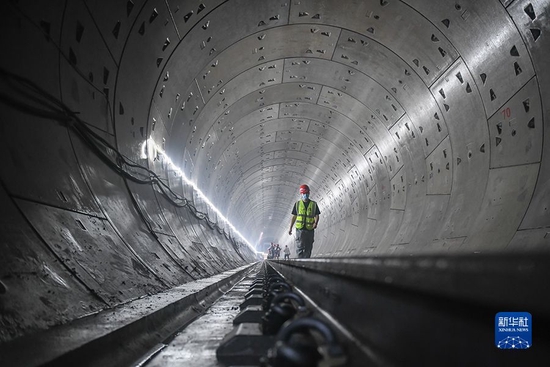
(419, 127)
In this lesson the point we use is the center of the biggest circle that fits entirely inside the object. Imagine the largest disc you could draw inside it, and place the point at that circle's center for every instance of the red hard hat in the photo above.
(304, 189)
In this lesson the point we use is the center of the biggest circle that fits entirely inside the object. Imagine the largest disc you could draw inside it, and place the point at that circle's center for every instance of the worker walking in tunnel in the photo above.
(271, 251)
(305, 213)
(287, 252)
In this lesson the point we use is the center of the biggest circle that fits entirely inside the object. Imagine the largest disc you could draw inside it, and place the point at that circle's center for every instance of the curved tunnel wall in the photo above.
(419, 127)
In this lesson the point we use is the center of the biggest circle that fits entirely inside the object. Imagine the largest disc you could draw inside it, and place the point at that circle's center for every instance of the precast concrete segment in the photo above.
(36, 282)
(109, 190)
(419, 127)
(532, 20)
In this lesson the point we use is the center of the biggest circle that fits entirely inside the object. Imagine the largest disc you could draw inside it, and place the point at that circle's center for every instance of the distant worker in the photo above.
(287, 253)
(271, 251)
(305, 214)
(277, 251)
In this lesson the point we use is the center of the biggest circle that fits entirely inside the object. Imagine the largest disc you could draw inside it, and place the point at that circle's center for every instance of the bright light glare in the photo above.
(153, 149)
(260, 239)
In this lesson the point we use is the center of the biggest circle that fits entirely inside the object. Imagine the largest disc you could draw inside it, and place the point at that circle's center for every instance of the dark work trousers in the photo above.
(304, 243)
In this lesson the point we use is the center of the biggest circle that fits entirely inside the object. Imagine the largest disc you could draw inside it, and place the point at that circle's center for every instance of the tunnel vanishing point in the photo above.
(419, 125)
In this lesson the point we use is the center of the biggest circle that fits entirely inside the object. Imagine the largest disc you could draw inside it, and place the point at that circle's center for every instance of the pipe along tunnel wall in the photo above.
(419, 126)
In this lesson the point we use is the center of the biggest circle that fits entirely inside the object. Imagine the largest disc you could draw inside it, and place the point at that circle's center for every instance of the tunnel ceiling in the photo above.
(396, 113)
(417, 125)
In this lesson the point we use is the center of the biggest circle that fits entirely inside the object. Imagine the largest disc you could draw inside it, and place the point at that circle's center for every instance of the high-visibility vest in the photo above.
(305, 217)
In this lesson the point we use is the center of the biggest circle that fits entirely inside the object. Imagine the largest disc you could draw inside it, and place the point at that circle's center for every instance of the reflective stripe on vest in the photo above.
(305, 217)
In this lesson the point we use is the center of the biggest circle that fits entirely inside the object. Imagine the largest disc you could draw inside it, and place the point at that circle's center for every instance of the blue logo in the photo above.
(513, 330)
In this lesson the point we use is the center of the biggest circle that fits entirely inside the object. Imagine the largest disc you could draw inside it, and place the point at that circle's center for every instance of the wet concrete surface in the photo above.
(197, 344)
(130, 326)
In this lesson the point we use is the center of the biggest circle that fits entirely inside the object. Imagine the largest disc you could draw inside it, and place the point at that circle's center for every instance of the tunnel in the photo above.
(157, 146)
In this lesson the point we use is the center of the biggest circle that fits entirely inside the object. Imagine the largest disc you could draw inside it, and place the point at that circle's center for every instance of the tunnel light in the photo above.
(260, 239)
(150, 150)
(144, 150)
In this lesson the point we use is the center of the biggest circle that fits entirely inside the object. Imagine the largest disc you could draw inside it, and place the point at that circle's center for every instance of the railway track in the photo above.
(378, 312)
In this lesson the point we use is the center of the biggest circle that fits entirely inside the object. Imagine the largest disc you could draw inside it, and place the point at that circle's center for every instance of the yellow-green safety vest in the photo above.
(305, 217)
